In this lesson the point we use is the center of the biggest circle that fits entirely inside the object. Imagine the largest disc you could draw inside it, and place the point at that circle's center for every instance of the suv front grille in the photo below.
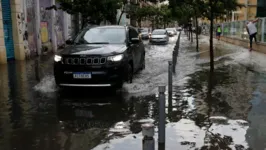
(85, 61)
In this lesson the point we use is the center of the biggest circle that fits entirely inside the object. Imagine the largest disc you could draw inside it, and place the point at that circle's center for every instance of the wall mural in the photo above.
(26, 22)
(30, 37)
(59, 23)
(22, 27)
(26, 27)
(46, 25)
(44, 32)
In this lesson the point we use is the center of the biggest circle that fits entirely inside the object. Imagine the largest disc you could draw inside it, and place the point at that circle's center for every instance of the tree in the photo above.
(210, 9)
(165, 15)
(213, 9)
(93, 11)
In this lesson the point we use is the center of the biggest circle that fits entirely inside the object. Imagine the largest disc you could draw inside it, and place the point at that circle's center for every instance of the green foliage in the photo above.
(161, 15)
(93, 11)
(185, 9)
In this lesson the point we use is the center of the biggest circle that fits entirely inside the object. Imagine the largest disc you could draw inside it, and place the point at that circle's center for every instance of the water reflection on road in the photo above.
(210, 110)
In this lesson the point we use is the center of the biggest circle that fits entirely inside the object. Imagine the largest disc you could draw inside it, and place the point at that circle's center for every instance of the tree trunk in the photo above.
(192, 36)
(84, 21)
(121, 14)
(211, 42)
(188, 34)
(139, 22)
(197, 35)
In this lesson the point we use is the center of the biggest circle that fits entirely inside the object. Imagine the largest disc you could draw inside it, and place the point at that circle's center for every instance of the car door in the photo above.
(135, 48)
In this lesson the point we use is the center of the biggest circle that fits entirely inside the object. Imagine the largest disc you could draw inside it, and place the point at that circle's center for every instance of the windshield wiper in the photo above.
(98, 43)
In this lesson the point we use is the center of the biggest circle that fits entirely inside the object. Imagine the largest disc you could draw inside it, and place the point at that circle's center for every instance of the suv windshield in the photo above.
(158, 32)
(144, 30)
(102, 36)
(170, 29)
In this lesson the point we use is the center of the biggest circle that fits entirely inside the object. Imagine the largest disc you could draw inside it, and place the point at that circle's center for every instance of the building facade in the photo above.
(248, 11)
(28, 28)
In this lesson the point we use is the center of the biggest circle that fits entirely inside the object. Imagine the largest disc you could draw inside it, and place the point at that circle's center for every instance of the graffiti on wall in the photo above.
(29, 36)
(44, 32)
(45, 14)
(22, 31)
(46, 25)
(59, 23)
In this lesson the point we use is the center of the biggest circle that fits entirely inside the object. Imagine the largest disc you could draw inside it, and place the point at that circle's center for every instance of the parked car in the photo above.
(145, 34)
(102, 56)
(159, 36)
(179, 29)
(171, 31)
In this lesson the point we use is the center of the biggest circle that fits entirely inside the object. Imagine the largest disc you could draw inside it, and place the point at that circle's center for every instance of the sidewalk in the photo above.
(196, 121)
(260, 47)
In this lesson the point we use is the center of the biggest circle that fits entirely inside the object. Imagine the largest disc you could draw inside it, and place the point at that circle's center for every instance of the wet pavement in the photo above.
(224, 109)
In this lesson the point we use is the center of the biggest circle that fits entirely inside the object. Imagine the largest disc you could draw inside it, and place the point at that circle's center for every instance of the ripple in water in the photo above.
(47, 85)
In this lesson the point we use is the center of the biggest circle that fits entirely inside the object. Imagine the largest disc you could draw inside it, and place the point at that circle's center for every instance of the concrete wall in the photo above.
(250, 9)
(261, 47)
(30, 36)
(17, 32)
(36, 29)
(46, 25)
(2, 40)
(59, 26)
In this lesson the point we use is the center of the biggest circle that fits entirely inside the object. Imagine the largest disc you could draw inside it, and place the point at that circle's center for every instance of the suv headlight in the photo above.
(115, 57)
(57, 58)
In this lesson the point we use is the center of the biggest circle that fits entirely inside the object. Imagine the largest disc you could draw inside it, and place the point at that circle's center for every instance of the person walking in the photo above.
(252, 31)
(218, 32)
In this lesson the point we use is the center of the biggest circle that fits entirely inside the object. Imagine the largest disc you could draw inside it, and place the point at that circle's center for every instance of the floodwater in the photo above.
(223, 109)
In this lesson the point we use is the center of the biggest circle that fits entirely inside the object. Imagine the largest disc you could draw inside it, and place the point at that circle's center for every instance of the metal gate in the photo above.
(7, 22)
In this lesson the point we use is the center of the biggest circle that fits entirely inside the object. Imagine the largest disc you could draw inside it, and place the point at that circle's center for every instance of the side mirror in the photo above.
(69, 42)
(135, 40)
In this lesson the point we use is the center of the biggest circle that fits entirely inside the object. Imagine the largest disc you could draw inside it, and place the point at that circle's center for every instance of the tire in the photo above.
(129, 73)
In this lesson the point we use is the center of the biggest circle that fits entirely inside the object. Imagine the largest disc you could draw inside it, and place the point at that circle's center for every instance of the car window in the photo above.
(102, 35)
(158, 32)
(144, 30)
(133, 33)
(170, 29)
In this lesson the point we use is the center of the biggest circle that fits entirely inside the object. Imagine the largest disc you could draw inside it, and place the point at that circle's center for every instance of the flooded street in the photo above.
(224, 109)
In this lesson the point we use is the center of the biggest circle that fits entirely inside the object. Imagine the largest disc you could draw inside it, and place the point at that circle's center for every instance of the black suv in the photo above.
(100, 56)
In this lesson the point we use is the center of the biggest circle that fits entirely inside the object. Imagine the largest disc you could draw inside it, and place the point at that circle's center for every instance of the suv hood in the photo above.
(94, 49)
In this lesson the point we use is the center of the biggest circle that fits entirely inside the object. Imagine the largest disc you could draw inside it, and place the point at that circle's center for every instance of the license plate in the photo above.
(82, 75)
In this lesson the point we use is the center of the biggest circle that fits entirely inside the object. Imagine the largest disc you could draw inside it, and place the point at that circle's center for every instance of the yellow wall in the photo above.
(3, 58)
(17, 36)
(251, 10)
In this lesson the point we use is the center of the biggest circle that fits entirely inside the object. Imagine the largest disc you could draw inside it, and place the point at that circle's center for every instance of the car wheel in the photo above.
(129, 73)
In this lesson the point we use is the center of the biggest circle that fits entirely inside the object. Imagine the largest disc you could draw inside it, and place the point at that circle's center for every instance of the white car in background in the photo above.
(159, 36)
(171, 31)
(179, 29)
